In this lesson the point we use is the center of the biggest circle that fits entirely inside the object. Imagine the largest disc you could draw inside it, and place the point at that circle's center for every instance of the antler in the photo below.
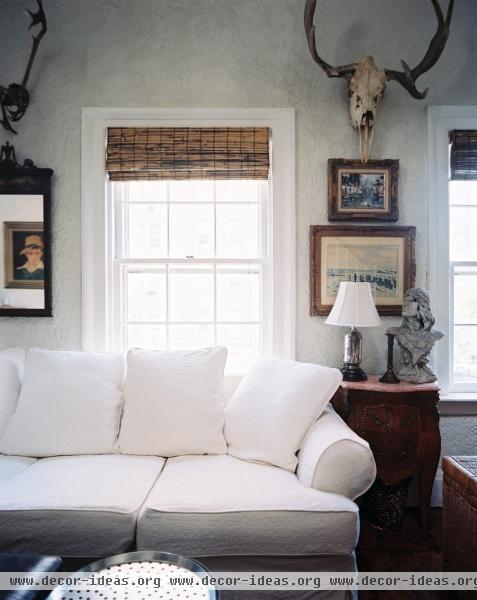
(407, 77)
(345, 71)
(15, 99)
(38, 18)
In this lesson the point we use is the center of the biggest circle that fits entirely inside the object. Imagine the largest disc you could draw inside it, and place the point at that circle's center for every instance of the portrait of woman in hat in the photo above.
(33, 268)
(24, 255)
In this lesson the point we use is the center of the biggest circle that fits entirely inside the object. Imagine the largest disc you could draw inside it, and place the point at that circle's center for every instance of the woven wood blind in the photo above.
(463, 156)
(187, 153)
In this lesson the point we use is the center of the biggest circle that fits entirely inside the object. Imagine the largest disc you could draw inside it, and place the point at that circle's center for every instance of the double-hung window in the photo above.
(453, 245)
(463, 258)
(189, 232)
(191, 266)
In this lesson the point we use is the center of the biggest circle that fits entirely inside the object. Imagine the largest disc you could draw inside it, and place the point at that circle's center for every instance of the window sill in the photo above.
(458, 404)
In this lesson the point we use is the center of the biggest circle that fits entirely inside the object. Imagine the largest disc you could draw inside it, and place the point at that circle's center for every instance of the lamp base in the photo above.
(353, 373)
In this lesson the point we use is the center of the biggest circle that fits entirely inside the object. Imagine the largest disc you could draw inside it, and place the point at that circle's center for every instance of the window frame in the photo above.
(441, 120)
(98, 214)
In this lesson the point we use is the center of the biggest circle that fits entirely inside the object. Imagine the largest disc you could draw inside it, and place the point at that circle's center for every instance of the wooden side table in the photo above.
(401, 423)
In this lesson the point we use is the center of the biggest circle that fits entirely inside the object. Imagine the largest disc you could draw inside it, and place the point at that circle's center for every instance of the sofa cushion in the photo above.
(70, 403)
(274, 406)
(11, 373)
(221, 505)
(10, 466)
(173, 403)
(76, 505)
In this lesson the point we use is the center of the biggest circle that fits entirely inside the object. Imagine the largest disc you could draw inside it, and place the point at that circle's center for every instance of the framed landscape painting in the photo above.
(382, 256)
(366, 192)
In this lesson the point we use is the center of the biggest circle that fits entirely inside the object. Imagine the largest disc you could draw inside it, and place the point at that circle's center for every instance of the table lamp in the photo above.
(354, 307)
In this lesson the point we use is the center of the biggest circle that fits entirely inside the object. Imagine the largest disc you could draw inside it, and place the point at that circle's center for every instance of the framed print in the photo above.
(24, 250)
(366, 192)
(382, 256)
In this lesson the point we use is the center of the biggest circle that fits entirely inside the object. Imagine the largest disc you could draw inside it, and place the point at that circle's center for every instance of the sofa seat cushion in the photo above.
(221, 505)
(76, 505)
(10, 466)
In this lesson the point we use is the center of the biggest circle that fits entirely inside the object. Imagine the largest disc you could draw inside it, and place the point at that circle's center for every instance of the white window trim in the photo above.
(96, 234)
(441, 120)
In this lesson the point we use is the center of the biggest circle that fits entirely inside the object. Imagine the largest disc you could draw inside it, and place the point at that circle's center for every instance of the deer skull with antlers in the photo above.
(367, 83)
(14, 99)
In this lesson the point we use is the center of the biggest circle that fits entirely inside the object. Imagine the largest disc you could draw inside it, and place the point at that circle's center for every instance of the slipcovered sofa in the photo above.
(97, 461)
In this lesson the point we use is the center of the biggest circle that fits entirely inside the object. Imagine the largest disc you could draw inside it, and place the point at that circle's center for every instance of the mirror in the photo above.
(25, 238)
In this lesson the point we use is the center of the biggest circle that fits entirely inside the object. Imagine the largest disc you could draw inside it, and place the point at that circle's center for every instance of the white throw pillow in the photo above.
(273, 408)
(70, 403)
(173, 403)
(11, 374)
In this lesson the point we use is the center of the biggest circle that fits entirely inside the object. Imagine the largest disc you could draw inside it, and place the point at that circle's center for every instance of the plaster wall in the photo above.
(232, 53)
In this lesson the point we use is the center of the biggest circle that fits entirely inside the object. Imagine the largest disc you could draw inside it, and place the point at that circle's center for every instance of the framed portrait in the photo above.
(366, 192)
(24, 250)
(382, 256)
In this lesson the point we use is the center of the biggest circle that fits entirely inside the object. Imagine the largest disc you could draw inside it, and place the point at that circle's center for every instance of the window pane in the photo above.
(238, 293)
(144, 296)
(238, 231)
(243, 344)
(148, 337)
(147, 230)
(465, 353)
(191, 230)
(463, 192)
(192, 191)
(237, 191)
(465, 295)
(463, 229)
(190, 337)
(147, 191)
(191, 293)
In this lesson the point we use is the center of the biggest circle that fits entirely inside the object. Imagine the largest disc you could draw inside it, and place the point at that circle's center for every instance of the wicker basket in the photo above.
(460, 515)
(384, 505)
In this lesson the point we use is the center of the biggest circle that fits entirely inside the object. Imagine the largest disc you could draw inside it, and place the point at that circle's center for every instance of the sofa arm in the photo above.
(334, 459)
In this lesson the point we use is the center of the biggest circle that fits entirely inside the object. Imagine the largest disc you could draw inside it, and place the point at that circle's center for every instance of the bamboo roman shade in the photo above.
(463, 155)
(151, 153)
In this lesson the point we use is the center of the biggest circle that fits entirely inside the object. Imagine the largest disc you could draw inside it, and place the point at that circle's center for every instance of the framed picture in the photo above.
(384, 256)
(366, 192)
(24, 251)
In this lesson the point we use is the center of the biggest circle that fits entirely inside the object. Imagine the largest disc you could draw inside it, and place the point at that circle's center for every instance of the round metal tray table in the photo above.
(140, 567)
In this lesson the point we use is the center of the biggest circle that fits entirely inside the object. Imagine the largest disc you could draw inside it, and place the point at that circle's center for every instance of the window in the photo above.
(186, 264)
(191, 267)
(463, 274)
(453, 244)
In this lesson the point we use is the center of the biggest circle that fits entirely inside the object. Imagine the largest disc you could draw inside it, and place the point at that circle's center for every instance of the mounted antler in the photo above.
(407, 78)
(15, 99)
(367, 83)
(345, 71)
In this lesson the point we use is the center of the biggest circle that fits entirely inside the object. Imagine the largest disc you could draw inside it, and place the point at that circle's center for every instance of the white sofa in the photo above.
(230, 513)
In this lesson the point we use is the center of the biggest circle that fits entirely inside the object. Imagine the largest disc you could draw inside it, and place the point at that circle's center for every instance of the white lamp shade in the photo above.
(354, 306)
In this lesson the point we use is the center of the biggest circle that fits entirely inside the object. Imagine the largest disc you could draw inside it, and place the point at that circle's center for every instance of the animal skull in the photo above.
(366, 88)
(367, 83)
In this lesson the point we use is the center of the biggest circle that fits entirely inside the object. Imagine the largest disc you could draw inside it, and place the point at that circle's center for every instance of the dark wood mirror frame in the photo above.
(30, 180)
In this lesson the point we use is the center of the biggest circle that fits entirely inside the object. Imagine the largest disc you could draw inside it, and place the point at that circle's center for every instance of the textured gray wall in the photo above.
(229, 53)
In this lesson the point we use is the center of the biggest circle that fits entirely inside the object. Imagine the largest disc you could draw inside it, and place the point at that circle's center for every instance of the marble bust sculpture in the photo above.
(416, 337)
